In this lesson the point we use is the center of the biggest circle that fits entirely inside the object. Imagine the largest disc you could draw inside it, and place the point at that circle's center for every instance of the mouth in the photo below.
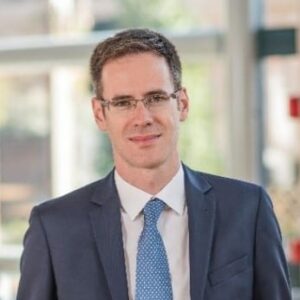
(145, 138)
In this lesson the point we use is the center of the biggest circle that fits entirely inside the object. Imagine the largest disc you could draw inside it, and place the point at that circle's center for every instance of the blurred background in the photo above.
(241, 67)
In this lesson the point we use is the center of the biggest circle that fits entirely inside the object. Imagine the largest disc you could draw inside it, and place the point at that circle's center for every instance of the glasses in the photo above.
(152, 101)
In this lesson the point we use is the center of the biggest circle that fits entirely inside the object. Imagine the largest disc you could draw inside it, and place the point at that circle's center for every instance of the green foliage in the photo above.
(197, 139)
(153, 13)
(104, 158)
(12, 231)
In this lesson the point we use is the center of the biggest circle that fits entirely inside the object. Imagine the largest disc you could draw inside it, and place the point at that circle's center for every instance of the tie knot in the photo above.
(152, 211)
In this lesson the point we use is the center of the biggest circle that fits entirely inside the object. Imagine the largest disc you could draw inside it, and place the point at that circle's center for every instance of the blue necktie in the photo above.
(153, 280)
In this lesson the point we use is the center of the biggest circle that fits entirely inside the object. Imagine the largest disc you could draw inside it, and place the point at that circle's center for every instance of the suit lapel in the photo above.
(105, 218)
(201, 217)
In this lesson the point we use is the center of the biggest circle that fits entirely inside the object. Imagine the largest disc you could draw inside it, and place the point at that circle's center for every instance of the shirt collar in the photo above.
(133, 199)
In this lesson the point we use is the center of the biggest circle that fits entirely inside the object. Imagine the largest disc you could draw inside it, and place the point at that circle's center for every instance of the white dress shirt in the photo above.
(172, 225)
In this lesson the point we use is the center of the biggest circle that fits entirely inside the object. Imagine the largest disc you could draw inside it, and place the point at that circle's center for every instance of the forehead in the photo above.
(136, 73)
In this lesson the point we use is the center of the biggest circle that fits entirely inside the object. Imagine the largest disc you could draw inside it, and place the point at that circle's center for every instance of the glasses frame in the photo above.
(107, 102)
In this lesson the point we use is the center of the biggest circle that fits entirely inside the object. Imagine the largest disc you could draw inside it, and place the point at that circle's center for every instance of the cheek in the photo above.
(115, 131)
(175, 118)
(172, 127)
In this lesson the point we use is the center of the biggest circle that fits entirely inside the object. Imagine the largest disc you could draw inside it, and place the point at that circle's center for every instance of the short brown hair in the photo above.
(134, 41)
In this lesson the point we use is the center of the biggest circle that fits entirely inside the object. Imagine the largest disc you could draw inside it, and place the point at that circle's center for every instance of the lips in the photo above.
(144, 138)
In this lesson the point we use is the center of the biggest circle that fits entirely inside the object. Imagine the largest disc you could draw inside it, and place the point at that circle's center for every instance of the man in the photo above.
(153, 228)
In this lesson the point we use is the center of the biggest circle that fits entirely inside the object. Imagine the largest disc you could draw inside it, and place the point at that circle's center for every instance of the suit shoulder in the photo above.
(217, 179)
(232, 193)
(222, 183)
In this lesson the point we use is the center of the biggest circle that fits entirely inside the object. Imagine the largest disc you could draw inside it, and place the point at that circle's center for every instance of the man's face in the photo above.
(141, 138)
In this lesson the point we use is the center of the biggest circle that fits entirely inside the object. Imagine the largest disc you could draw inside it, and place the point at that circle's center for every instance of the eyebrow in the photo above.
(121, 97)
(152, 92)
(157, 91)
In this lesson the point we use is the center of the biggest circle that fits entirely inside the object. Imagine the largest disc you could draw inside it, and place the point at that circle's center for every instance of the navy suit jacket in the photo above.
(73, 248)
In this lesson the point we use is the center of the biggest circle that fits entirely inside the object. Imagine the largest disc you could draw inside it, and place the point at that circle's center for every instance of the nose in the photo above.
(142, 116)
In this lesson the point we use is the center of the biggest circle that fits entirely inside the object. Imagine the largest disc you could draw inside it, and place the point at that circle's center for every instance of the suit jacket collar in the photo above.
(105, 218)
(201, 218)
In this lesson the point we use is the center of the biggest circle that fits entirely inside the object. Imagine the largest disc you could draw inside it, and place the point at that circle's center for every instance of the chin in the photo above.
(147, 164)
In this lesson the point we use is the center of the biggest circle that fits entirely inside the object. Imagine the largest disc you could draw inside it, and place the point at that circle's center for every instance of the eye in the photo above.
(123, 103)
(157, 98)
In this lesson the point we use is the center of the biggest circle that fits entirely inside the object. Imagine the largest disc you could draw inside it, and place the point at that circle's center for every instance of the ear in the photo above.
(183, 104)
(99, 114)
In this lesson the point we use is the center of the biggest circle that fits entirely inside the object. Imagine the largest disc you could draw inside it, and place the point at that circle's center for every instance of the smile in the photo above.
(144, 138)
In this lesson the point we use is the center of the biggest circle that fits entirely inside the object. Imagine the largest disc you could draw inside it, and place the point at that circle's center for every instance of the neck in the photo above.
(149, 180)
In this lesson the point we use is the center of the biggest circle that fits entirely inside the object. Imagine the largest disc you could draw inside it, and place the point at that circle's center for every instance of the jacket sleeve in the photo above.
(37, 280)
(271, 279)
